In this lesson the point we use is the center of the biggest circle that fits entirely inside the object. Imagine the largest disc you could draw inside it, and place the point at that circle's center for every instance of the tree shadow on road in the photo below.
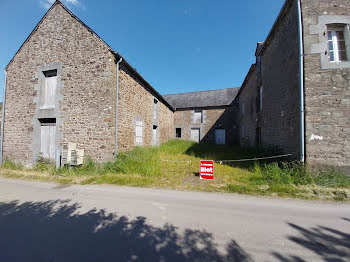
(329, 244)
(61, 231)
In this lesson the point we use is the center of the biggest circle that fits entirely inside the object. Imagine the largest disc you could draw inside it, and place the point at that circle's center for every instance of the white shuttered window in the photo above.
(198, 117)
(139, 132)
(49, 90)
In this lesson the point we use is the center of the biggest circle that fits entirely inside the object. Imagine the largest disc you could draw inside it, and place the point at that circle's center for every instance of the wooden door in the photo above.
(195, 134)
(48, 141)
(220, 136)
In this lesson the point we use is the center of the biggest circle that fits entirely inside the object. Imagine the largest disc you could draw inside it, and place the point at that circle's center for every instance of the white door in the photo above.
(48, 137)
(154, 135)
(195, 134)
(220, 136)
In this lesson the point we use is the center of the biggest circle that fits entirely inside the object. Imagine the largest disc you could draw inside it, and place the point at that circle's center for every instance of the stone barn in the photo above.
(66, 85)
(206, 116)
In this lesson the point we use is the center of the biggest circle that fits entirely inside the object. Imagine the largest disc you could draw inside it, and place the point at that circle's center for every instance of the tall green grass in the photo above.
(147, 162)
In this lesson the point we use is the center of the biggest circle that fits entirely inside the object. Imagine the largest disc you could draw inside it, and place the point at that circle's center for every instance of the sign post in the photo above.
(207, 169)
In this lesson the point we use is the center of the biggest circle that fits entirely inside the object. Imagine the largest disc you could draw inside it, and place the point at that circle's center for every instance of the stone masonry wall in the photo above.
(85, 110)
(213, 118)
(327, 91)
(247, 120)
(136, 104)
(279, 119)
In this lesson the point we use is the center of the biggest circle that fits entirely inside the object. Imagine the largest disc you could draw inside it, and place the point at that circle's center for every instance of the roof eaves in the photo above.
(250, 72)
(151, 89)
(285, 7)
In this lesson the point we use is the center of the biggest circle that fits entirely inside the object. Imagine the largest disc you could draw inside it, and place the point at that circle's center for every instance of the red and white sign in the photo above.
(207, 169)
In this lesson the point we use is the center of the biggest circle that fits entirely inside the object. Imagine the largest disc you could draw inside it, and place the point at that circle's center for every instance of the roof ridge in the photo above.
(201, 91)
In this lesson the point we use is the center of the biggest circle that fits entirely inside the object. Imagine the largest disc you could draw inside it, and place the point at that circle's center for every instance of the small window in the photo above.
(258, 62)
(259, 99)
(49, 90)
(338, 42)
(178, 132)
(258, 136)
(155, 109)
(198, 117)
(139, 132)
(242, 132)
(243, 108)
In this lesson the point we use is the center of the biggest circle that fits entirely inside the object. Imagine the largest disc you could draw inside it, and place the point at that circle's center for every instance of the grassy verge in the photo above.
(146, 167)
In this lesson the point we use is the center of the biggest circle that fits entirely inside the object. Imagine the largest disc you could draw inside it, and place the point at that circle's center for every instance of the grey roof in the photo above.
(210, 98)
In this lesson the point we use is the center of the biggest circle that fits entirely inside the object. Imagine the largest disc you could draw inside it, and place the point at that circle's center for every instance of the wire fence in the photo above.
(235, 160)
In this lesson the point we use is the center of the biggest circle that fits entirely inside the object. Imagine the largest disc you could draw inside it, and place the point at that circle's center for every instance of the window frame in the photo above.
(45, 97)
(139, 138)
(333, 29)
(195, 120)
(176, 129)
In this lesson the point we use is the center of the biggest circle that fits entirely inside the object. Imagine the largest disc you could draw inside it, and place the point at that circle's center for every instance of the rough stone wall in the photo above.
(280, 116)
(166, 123)
(213, 118)
(247, 120)
(327, 91)
(86, 108)
(136, 104)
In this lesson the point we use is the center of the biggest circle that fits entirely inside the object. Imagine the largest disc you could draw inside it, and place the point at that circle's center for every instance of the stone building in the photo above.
(65, 84)
(208, 116)
(296, 97)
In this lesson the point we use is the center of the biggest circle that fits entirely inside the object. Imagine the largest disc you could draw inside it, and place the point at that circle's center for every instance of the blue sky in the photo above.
(176, 45)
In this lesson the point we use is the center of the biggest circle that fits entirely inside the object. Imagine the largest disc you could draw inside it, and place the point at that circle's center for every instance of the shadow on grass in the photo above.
(329, 244)
(230, 152)
(57, 231)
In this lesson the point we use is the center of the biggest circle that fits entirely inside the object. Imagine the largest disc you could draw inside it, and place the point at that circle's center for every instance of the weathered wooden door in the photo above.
(195, 134)
(220, 136)
(47, 141)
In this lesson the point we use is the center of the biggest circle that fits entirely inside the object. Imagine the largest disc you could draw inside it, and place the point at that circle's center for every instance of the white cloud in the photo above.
(48, 3)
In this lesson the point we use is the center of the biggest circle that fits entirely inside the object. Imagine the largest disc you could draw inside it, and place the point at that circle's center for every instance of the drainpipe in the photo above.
(3, 120)
(116, 110)
(301, 79)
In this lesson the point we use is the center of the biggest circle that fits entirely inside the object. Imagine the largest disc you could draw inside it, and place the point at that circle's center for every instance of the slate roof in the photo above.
(210, 98)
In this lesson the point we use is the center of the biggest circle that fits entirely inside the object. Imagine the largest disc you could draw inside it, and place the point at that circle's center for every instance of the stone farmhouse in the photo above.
(65, 84)
(296, 97)
(208, 116)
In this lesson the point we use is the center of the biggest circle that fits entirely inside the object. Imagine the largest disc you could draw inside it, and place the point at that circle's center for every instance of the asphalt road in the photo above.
(48, 222)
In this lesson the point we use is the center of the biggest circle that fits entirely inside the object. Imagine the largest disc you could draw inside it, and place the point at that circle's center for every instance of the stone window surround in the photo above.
(203, 117)
(155, 111)
(200, 131)
(156, 143)
(320, 29)
(182, 129)
(45, 113)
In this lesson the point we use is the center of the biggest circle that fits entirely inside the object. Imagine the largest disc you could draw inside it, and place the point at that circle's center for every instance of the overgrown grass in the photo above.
(175, 165)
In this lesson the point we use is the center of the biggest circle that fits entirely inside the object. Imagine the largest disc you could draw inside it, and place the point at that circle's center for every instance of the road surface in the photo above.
(49, 222)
